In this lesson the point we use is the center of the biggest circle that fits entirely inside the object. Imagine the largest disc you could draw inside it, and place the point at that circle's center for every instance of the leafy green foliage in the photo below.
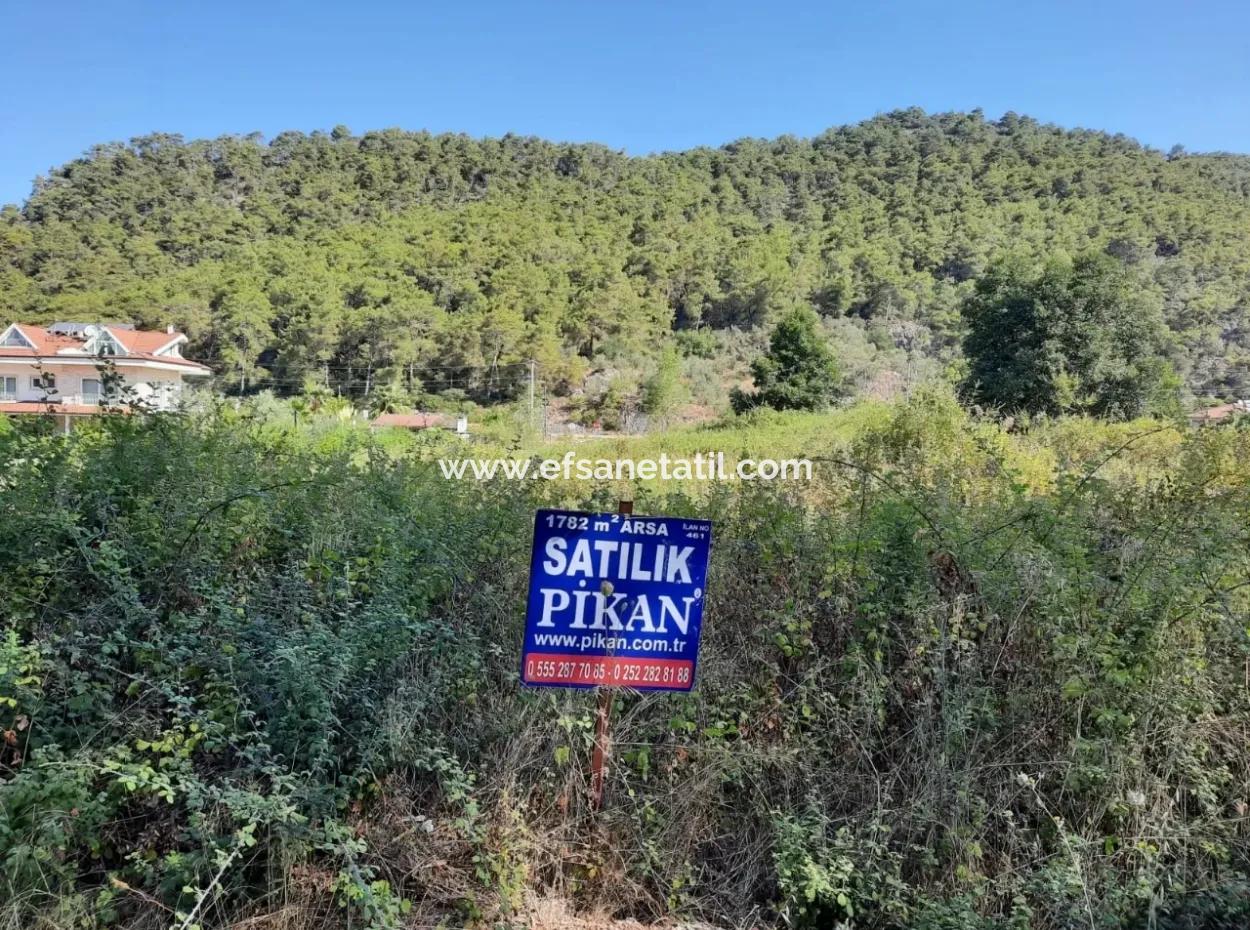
(446, 263)
(221, 636)
(664, 391)
(1081, 336)
(967, 677)
(797, 372)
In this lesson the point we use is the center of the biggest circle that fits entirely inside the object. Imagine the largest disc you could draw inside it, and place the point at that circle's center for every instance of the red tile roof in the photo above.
(142, 340)
(171, 360)
(139, 344)
(414, 420)
(1220, 412)
(45, 342)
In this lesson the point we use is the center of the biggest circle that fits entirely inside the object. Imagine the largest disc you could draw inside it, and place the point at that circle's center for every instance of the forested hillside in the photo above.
(441, 262)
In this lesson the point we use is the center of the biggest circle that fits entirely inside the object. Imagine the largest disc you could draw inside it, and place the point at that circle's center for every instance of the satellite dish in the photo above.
(90, 330)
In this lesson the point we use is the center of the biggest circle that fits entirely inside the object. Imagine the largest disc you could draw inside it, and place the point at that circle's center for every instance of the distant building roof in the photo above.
(1219, 412)
(415, 420)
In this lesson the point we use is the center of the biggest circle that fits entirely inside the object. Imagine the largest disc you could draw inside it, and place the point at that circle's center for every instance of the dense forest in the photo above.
(436, 263)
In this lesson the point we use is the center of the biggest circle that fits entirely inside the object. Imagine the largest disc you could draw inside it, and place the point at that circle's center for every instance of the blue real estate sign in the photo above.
(615, 601)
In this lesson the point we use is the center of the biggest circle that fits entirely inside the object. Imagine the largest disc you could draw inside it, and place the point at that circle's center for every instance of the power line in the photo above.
(401, 366)
(521, 370)
(452, 374)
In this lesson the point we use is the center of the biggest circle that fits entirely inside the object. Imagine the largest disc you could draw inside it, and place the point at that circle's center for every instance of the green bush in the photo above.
(967, 677)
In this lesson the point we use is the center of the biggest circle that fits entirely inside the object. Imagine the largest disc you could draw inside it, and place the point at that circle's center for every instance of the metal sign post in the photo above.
(603, 746)
(603, 719)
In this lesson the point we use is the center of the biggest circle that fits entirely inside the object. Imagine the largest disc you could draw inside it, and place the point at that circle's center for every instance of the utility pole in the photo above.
(531, 393)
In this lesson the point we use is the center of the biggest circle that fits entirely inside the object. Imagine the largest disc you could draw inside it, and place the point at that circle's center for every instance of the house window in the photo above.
(8, 388)
(43, 382)
(105, 344)
(90, 390)
(16, 339)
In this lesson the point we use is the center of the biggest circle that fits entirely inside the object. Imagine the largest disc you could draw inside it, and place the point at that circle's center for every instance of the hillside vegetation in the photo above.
(264, 676)
(442, 263)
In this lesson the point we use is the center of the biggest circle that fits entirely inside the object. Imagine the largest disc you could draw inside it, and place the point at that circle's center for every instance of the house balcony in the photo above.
(90, 399)
(82, 404)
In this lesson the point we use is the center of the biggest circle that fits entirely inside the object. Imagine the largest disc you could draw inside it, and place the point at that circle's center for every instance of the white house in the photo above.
(60, 370)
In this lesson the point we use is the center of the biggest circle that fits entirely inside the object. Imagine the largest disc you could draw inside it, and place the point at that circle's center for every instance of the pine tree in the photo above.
(664, 391)
(798, 372)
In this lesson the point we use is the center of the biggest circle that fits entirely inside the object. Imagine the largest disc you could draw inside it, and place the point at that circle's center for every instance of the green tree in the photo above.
(479, 254)
(241, 323)
(1077, 336)
(798, 372)
(665, 390)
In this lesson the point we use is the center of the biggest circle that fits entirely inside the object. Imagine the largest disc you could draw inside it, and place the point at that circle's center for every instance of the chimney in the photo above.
(169, 330)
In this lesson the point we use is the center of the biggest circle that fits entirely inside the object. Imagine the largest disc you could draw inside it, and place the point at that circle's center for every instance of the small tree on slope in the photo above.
(798, 372)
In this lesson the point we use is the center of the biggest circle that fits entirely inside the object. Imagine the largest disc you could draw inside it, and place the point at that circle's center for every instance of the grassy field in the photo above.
(264, 675)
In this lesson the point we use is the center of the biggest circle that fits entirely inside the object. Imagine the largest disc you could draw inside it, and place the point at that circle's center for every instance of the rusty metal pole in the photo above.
(603, 719)
(599, 760)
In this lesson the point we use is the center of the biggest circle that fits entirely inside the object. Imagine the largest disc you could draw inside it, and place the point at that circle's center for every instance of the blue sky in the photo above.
(637, 75)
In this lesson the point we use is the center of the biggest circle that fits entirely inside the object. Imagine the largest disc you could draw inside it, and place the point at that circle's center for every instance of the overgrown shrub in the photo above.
(965, 678)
